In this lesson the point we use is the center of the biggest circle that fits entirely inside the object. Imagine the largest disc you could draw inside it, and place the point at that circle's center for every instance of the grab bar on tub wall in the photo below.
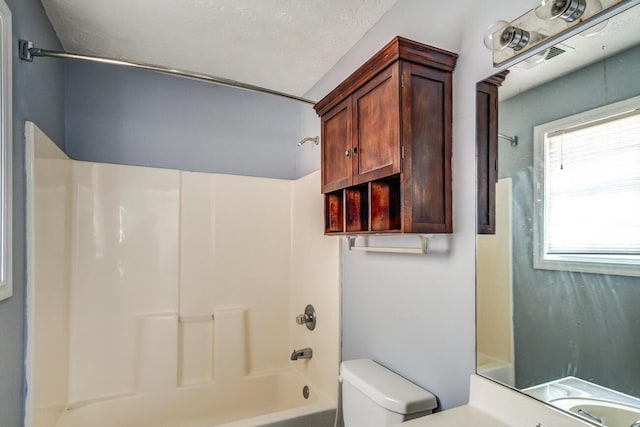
(190, 319)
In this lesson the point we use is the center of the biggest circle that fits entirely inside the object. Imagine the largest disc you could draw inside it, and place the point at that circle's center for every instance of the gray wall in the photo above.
(137, 117)
(579, 324)
(38, 91)
(403, 311)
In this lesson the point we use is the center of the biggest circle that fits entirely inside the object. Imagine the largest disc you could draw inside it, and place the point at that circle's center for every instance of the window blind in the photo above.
(592, 188)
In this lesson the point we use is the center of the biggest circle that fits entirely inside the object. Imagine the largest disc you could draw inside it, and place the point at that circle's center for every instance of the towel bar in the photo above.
(423, 249)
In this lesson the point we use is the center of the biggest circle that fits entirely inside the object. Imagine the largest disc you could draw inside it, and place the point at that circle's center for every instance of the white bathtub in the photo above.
(273, 399)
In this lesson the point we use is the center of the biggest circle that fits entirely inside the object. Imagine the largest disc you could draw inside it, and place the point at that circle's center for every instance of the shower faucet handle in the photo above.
(308, 318)
(301, 319)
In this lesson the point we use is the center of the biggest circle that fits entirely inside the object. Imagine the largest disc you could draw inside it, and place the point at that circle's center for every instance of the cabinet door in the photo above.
(336, 147)
(376, 131)
(487, 155)
(426, 137)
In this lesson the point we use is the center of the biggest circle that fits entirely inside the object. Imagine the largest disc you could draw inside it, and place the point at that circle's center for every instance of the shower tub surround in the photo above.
(167, 298)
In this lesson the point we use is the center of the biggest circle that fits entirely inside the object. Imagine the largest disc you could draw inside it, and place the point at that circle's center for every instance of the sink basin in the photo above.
(612, 414)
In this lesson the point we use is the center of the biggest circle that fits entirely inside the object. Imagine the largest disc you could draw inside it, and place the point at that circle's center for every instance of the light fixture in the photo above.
(548, 19)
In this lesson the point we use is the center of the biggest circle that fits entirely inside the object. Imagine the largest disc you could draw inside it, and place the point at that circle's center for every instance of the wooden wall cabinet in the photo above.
(386, 143)
(487, 152)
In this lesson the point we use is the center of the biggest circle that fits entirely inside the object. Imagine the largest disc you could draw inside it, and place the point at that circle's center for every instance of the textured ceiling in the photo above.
(286, 45)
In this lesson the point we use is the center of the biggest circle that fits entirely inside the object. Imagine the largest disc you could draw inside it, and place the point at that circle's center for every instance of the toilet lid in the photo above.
(386, 388)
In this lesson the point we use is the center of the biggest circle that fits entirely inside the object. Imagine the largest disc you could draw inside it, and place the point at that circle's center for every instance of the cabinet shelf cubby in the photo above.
(334, 212)
(368, 208)
(385, 204)
(357, 208)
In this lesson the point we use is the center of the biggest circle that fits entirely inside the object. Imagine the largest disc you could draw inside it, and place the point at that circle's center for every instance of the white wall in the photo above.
(416, 315)
(315, 278)
(236, 260)
(124, 268)
(49, 227)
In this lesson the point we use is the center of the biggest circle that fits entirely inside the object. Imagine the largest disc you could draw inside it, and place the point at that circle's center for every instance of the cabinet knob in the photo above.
(347, 153)
(355, 150)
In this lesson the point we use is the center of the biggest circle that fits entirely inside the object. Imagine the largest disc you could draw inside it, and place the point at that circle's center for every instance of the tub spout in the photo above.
(305, 353)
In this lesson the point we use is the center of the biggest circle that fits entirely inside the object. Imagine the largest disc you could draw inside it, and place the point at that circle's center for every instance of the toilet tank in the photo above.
(374, 396)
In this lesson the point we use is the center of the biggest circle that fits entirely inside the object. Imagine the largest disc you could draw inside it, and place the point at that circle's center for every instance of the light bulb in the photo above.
(501, 35)
(568, 10)
(492, 35)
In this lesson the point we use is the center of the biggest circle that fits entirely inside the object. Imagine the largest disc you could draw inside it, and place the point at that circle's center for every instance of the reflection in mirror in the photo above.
(558, 271)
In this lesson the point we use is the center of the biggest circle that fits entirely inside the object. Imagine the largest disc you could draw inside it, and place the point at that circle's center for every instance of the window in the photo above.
(6, 288)
(587, 203)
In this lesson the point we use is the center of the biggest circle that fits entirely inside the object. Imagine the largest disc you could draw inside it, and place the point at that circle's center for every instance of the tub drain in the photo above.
(305, 392)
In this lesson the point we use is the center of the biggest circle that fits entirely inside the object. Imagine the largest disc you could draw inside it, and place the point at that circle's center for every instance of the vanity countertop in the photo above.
(494, 405)
(466, 415)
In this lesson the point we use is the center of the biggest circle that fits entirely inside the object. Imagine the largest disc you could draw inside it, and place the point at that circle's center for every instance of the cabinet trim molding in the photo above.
(398, 48)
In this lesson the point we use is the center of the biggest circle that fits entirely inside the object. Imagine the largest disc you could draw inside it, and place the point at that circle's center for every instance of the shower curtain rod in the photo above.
(28, 52)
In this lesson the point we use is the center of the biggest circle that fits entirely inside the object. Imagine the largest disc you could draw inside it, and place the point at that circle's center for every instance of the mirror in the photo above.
(558, 254)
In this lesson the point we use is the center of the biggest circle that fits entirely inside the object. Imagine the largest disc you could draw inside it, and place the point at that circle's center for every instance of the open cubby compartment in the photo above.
(386, 212)
(334, 212)
(357, 208)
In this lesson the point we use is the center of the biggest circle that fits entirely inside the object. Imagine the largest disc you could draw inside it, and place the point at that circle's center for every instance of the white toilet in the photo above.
(374, 396)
